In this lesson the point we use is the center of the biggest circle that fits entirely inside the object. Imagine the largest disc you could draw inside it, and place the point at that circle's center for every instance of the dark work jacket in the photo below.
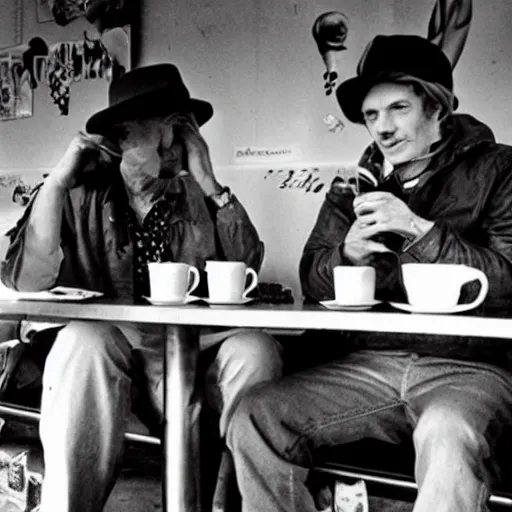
(467, 191)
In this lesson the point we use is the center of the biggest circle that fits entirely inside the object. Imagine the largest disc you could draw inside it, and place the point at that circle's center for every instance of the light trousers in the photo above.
(88, 384)
(455, 412)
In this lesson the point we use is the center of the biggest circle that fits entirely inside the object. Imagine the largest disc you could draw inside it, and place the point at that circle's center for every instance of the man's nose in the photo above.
(385, 125)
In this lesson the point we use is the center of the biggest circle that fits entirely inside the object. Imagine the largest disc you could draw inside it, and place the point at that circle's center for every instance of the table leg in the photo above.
(182, 405)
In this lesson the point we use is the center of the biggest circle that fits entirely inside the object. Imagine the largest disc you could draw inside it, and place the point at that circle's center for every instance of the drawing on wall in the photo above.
(101, 13)
(103, 52)
(16, 95)
(15, 192)
(334, 124)
(330, 31)
(111, 19)
(56, 67)
(448, 27)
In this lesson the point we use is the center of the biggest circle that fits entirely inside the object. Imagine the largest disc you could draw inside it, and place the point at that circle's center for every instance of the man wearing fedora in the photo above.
(138, 187)
(444, 196)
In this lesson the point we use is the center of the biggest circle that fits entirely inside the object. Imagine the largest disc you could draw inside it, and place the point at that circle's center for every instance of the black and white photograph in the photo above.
(255, 256)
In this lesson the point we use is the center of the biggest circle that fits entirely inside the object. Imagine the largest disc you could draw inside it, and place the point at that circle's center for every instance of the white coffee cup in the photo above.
(439, 285)
(171, 281)
(226, 281)
(354, 285)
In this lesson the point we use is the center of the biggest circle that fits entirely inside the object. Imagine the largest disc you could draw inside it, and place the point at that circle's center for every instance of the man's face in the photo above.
(158, 135)
(395, 117)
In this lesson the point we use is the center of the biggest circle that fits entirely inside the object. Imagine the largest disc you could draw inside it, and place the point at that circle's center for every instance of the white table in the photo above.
(181, 482)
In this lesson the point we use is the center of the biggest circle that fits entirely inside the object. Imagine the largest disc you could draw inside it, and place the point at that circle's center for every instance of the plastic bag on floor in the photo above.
(20, 489)
(349, 498)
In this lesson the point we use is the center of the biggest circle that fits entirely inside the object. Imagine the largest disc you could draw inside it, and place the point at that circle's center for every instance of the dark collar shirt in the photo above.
(151, 243)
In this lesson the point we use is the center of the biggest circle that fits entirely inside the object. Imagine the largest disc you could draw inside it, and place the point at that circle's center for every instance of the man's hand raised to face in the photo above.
(83, 154)
(198, 154)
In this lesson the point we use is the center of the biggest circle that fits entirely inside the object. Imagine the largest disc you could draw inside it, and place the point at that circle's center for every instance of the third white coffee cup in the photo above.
(354, 285)
(227, 280)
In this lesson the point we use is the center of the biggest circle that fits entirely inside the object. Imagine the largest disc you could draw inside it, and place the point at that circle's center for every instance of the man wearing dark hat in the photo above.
(444, 196)
(139, 187)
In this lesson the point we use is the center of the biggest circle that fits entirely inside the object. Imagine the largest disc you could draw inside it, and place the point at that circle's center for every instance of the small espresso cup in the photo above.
(227, 280)
(439, 285)
(354, 285)
(172, 282)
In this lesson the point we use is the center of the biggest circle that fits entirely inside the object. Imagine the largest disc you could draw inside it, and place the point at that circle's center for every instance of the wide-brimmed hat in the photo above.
(385, 56)
(147, 91)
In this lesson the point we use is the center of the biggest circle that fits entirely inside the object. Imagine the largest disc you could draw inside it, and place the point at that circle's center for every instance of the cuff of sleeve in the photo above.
(222, 198)
(339, 258)
(426, 248)
(232, 211)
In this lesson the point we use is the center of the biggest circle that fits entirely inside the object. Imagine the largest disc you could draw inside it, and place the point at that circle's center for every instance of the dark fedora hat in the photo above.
(397, 54)
(147, 91)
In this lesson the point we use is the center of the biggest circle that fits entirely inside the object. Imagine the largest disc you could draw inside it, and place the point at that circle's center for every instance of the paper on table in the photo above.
(59, 293)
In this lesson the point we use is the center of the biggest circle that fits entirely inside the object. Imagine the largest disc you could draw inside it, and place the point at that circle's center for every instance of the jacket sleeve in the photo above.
(491, 253)
(324, 247)
(27, 266)
(237, 235)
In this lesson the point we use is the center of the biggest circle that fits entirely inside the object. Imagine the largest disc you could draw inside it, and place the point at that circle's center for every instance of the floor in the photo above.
(138, 488)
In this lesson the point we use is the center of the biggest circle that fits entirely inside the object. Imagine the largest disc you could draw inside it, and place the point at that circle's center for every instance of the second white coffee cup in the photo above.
(227, 281)
(171, 281)
(354, 285)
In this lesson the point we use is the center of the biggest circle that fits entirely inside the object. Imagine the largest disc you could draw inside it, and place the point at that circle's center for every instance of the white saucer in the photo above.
(336, 306)
(162, 302)
(240, 302)
(459, 308)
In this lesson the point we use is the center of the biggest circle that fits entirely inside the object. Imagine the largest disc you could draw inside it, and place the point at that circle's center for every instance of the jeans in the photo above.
(88, 383)
(454, 410)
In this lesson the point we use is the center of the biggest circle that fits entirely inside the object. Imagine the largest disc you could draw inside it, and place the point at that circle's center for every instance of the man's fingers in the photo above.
(373, 196)
(377, 247)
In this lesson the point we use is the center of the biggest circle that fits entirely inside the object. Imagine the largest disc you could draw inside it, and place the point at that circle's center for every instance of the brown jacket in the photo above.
(96, 246)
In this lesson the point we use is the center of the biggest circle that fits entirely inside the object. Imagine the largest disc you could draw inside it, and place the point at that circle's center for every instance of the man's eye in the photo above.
(370, 117)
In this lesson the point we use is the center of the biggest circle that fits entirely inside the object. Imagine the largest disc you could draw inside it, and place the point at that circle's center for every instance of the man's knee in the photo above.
(257, 352)
(257, 410)
(446, 428)
(89, 343)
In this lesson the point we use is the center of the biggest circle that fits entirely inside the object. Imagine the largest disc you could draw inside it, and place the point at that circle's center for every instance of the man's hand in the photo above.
(198, 154)
(358, 245)
(380, 212)
(82, 155)
(384, 212)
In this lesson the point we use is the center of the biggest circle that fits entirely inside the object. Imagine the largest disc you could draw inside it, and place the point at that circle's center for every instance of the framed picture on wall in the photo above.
(101, 50)
(43, 11)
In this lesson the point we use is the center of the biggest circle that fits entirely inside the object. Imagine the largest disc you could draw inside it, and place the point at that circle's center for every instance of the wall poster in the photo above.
(102, 51)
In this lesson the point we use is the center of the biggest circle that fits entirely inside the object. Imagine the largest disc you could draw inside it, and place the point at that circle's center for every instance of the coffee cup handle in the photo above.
(474, 273)
(253, 283)
(195, 279)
